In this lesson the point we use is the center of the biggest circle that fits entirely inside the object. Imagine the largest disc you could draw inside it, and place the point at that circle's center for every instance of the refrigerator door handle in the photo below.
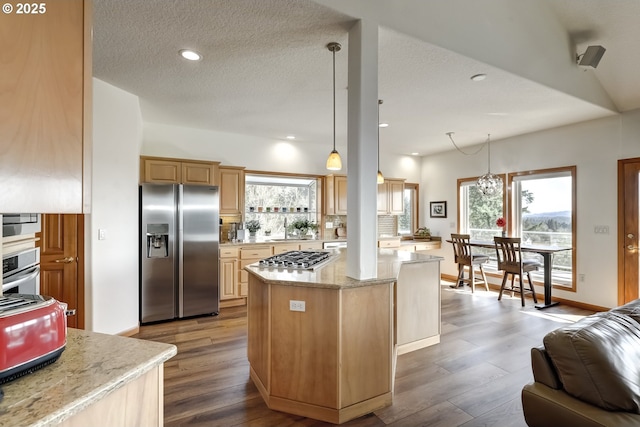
(180, 252)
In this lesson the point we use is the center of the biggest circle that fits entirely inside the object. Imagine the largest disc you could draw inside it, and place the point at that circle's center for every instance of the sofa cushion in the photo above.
(631, 309)
(598, 360)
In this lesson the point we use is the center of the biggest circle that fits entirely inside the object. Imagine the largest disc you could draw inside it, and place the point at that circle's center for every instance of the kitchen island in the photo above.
(323, 345)
(99, 380)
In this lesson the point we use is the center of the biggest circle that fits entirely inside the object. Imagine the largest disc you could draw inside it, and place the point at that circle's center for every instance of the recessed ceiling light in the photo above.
(415, 154)
(478, 77)
(383, 125)
(191, 55)
(291, 137)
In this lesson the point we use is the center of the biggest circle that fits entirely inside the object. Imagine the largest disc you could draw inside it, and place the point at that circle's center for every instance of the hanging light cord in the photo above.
(460, 150)
(379, 102)
(334, 98)
(488, 143)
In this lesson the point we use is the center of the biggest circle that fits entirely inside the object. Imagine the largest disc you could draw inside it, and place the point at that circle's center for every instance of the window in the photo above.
(408, 221)
(477, 215)
(543, 212)
(271, 198)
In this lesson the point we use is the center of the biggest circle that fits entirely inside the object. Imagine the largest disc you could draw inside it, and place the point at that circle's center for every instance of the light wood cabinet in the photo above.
(391, 197)
(45, 119)
(335, 195)
(311, 246)
(389, 243)
(178, 171)
(231, 180)
(228, 273)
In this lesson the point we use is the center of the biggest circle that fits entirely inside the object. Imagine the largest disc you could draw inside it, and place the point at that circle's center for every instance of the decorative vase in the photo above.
(252, 233)
(504, 233)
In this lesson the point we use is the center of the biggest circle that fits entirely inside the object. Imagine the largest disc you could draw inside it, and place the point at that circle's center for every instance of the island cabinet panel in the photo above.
(304, 345)
(417, 316)
(259, 333)
(139, 403)
(366, 309)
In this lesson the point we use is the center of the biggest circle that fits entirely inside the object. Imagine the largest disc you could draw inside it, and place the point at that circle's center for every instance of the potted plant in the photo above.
(253, 226)
(422, 233)
(301, 227)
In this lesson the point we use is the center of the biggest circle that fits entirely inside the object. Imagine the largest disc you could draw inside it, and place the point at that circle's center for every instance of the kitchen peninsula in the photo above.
(323, 345)
(99, 380)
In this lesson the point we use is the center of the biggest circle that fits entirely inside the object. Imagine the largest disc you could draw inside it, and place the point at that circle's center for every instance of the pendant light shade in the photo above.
(334, 162)
(380, 176)
(489, 184)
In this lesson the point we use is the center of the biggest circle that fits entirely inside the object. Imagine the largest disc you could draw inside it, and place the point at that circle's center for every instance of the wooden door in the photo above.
(62, 262)
(628, 229)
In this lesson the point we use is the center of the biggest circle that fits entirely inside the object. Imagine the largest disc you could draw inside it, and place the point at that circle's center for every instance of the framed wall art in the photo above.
(438, 209)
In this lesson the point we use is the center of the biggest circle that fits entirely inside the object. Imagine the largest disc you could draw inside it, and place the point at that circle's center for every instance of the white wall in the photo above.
(258, 153)
(112, 264)
(594, 147)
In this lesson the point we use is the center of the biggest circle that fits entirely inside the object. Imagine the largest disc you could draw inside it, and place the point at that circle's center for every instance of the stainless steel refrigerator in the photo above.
(179, 232)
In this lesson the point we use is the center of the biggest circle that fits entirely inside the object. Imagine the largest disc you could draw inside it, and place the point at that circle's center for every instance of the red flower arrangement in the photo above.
(500, 222)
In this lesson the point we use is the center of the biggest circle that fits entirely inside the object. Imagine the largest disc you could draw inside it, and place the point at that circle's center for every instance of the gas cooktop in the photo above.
(299, 260)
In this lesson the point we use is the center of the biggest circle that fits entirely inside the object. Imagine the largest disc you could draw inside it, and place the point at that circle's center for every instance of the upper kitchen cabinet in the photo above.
(178, 171)
(391, 197)
(45, 107)
(335, 195)
(231, 190)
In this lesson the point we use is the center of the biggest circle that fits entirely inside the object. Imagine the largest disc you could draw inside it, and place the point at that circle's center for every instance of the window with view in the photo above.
(478, 214)
(407, 222)
(543, 212)
(271, 200)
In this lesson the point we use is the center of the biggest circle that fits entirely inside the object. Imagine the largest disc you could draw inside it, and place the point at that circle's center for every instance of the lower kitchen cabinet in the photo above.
(228, 273)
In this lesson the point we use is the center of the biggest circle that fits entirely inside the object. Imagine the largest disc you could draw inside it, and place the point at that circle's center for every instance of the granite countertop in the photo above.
(91, 366)
(333, 275)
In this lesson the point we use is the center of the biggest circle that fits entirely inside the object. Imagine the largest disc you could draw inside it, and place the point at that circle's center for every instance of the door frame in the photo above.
(627, 291)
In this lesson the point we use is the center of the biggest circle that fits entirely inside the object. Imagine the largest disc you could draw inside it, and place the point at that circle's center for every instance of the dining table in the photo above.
(546, 251)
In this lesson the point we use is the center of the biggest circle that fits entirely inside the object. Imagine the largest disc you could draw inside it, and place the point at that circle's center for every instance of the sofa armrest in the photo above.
(543, 370)
(545, 407)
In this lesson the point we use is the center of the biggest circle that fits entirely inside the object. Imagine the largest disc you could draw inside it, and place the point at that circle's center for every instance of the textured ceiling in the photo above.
(266, 72)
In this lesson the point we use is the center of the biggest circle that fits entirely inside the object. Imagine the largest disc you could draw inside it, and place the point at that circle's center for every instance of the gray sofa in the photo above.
(587, 374)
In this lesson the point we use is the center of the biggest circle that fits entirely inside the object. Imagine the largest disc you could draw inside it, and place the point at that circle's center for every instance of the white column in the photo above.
(362, 159)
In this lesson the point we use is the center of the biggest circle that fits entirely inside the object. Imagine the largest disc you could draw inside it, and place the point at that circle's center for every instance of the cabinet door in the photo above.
(228, 274)
(340, 195)
(396, 197)
(45, 114)
(383, 199)
(281, 248)
(199, 173)
(231, 190)
(329, 206)
(162, 171)
(311, 246)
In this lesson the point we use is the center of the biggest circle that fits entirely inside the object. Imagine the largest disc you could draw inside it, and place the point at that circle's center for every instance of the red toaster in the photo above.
(33, 333)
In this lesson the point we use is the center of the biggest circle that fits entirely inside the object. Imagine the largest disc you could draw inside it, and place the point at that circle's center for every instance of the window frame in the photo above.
(549, 172)
(415, 209)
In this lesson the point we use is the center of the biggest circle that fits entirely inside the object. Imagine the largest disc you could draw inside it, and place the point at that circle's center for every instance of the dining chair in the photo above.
(509, 257)
(464, 257)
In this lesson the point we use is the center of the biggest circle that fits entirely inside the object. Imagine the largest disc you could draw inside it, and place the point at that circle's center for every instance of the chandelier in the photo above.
(488, 184)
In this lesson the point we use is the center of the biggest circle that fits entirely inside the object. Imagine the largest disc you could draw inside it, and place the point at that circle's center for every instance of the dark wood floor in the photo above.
(472, 378)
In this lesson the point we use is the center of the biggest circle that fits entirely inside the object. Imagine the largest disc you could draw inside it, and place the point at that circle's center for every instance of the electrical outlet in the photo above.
(328, 224)
(581, 277)
(601, 229)
(296, 305)
(102, 234)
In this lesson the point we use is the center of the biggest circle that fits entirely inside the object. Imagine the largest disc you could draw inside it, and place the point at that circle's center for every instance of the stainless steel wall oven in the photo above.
(21, 272)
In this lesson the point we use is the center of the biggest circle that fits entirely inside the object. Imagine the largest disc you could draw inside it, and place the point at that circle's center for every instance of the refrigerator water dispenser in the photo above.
(157, 240)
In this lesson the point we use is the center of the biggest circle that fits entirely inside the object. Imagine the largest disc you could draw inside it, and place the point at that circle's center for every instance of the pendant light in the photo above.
(380, 176)
(489, 184)
(334, 162)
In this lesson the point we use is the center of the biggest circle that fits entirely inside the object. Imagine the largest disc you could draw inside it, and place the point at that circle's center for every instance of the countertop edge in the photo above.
(393, 259)
(72, 408)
